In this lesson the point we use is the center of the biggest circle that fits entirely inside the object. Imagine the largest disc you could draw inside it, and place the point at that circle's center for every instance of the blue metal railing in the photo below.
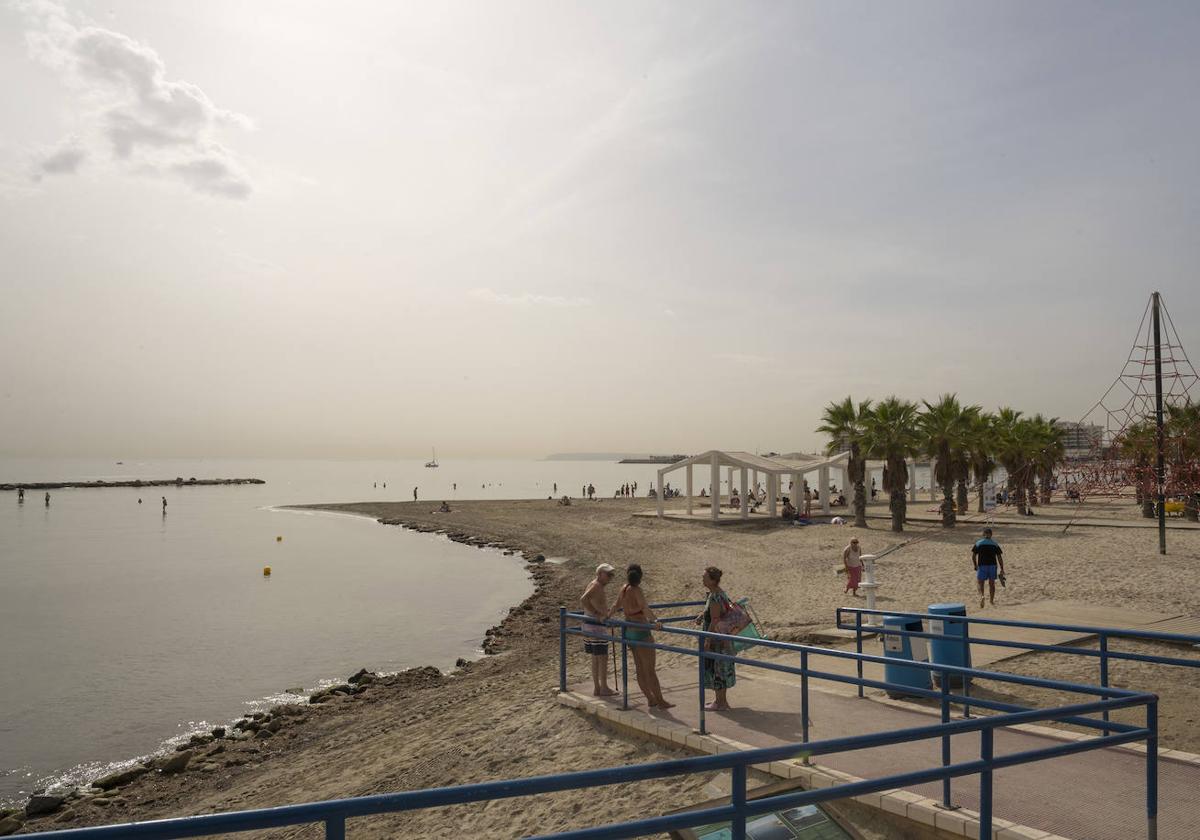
(946, 697)
(1104, 654)
(334, 813)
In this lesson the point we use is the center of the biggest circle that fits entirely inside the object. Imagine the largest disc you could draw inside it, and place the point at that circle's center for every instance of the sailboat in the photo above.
(433, 462)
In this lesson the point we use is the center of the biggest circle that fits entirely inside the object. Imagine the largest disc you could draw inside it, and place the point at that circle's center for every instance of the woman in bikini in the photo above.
(632, 602)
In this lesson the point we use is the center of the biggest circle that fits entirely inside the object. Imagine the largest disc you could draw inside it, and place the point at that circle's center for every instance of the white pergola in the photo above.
(749, 466)
(796, 465)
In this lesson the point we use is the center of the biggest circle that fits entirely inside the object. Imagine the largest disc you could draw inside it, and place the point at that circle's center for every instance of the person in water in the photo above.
(632, 602)
(47, 499)
(445, 508)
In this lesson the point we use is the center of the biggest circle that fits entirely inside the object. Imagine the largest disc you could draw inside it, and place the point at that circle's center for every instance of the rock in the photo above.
(367, 679)
(461, 663)
(541, 558)
(235, 761)
(258, 715)
(362, 672)
(9, 825)
(199, 740)
(263, 733)
(218, 732)
(274, 726)
(66, 816)
(101, 801)
(43, 803)
(119, 778)
(176, 763)
(216, 750)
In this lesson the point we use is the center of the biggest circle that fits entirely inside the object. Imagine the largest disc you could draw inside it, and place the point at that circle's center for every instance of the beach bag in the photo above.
(751, 630)
(733, 619)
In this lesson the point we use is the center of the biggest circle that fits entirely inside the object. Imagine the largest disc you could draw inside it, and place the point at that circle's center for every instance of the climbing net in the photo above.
(1121, 456)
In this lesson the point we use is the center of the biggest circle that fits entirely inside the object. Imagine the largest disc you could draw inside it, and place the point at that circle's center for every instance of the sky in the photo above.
(293, 229)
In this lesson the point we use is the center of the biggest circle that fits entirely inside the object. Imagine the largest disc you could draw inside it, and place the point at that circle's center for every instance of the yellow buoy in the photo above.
(266, 571)
(279, 539)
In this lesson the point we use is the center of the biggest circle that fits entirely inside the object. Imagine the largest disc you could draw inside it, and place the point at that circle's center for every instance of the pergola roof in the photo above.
(789, 464)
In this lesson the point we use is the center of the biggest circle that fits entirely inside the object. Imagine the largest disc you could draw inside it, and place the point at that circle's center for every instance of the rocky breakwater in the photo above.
(206, 757)
(178, 481)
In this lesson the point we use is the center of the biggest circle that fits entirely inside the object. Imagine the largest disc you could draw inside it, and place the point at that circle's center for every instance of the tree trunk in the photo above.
(964, 500)
(1148, 506)
(1047, 486)
(1019, 491)
(860, 504)
(1191, 507)
(896, 503)
(948, 519)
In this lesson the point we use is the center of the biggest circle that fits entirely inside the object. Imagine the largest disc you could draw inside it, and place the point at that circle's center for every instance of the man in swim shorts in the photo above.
(986, 555)
(595, 606)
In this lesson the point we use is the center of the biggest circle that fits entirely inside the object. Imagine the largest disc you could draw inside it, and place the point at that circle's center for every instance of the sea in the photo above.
(124, 629)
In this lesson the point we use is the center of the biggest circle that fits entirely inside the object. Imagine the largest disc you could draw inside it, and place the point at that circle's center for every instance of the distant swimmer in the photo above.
(139, 501)
(445, 508)
(164, 498)
(20, 495)
(375, 484)
(47, 500)
(414, 493)
(385, 485)
(455, 486)
(556, 488)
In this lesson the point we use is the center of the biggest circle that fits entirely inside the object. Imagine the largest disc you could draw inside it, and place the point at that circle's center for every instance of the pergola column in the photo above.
(661, 473)
(754, 480)
(846, 485)
(689, 489)
(729, 479)
(797, 496)
(824, 482)
(716, 486)
(772, 486)
(744, 475)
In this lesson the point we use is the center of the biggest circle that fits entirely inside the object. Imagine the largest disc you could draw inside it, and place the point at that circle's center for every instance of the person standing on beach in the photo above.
(595, 606)
(852, 560)
(719, 675)
(414, 494)
(47, 499)
(632, 603)
(986, 555)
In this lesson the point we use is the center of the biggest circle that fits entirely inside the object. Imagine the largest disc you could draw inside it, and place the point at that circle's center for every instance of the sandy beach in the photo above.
(497, 717)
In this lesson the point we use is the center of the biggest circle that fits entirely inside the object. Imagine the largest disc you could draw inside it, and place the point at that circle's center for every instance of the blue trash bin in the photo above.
(904, 649)
(952, 648)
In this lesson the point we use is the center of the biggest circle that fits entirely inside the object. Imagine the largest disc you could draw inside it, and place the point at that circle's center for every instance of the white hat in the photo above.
(604, 567)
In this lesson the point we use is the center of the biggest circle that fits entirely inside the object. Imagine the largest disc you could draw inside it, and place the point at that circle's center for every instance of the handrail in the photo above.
(334, 813)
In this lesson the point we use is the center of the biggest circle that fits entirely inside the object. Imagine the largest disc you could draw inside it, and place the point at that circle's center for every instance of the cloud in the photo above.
(526, 299)
(149, 123)
(64, 160)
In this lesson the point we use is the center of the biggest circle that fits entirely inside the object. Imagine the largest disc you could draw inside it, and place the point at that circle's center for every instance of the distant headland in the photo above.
(137, 482)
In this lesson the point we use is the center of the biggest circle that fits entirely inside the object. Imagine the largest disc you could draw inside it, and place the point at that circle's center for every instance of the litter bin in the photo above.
(901, 649)
(952, 648)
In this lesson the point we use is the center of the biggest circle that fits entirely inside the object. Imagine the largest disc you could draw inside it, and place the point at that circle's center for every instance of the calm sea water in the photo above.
(123, 627)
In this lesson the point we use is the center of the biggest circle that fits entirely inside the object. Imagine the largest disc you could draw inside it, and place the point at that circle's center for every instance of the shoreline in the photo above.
(495, 718)
(80, 777)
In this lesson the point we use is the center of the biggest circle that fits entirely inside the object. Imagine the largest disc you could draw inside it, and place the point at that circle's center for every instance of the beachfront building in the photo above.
(751, 470)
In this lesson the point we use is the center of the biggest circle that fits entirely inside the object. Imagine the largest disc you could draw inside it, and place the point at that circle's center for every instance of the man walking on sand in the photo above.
(595, 606)
(986, 555)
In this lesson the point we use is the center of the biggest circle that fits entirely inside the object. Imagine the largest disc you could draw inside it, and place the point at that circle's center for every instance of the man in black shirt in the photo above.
(986, 555)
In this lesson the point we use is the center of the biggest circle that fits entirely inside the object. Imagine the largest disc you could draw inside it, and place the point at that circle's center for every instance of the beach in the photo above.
(497, 717)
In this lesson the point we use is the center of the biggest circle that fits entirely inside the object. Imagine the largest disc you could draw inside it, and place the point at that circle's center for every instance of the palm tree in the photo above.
(944, 428)
(981, 444)
(1183, 449)
(1050, 453)
(845, 423)
(890, 435)
(1138, 443)
(1015, 444)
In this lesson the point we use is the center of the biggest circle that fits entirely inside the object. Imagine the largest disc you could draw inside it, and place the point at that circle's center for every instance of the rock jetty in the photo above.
(137, 482)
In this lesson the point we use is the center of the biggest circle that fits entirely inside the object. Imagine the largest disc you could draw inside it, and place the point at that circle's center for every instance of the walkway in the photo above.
(1092, 796)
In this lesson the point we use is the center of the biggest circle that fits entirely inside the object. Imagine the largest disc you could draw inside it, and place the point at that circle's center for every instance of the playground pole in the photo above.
(1160, 474)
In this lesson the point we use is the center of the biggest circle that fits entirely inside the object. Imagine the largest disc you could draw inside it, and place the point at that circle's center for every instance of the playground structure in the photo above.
(1146, 440)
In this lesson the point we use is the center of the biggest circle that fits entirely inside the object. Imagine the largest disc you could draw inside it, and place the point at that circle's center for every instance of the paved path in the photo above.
(1093, 796)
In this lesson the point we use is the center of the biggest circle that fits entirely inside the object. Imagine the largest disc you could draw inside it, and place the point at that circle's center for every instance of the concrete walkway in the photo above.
(1092, 796)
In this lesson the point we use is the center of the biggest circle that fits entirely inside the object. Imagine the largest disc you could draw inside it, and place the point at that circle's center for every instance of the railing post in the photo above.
(562, 649)
(335, 828)
(738, 799)
(1104, 675)
(700, 659)
(858, 648)
(804, 698)
(624, 669)
(966, 681)
(946, 739)
(1152, 771)
(985, 784)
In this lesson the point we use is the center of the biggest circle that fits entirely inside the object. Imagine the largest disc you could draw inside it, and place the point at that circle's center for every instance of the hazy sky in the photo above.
(513, 228)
